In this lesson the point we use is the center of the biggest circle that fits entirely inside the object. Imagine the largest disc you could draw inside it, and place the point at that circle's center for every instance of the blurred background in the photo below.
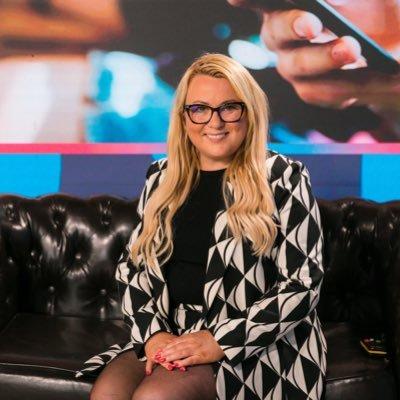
(104, 72)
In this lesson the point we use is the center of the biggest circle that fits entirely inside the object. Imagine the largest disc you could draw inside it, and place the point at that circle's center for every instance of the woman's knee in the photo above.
(153, 393)
(197, 383)
(108, 394)
(118, 379)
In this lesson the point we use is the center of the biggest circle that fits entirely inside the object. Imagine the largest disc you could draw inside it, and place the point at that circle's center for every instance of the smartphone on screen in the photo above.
(377, 57)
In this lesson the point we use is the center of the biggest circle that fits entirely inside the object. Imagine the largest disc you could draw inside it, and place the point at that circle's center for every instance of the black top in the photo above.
(192, 225)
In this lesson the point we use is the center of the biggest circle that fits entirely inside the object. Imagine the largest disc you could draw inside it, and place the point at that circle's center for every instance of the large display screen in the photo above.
(105, 71)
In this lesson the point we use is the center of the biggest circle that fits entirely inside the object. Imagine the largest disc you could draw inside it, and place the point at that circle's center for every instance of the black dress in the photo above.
(192, 224)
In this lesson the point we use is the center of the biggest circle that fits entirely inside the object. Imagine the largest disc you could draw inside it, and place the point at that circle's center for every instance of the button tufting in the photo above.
(105, 220)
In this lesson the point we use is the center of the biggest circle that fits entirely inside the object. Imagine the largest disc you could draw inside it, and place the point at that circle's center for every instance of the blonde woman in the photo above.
(222, 274)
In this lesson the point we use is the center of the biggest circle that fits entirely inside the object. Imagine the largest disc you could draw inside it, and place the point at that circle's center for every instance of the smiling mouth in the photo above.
(217, 136)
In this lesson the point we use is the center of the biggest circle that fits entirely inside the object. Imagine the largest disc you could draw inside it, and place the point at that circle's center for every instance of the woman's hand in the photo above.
(311, 59)
(152, 347)
(191, 349)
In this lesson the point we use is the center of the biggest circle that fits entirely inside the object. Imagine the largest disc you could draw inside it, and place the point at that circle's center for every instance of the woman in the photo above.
(222, 273)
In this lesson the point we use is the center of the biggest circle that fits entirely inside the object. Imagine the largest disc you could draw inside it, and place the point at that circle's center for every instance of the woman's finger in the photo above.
(317, 59)
(283, 29)
(188, 361)
(168, 365)
(260, 5)
(336, 88)
(178, 353)
(149, 366)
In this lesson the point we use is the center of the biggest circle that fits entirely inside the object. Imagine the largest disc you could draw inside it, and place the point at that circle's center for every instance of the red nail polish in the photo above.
(148, 373)
(182, 369)
(170, 367)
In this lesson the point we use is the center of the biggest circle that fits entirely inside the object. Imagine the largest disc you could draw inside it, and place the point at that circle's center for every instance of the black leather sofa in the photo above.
(59, 303)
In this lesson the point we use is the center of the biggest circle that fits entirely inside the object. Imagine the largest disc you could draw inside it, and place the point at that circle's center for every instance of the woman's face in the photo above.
(214, 152)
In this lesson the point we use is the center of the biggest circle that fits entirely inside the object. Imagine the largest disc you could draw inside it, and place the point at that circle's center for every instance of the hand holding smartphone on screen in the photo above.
(317, 69)
(377, 57)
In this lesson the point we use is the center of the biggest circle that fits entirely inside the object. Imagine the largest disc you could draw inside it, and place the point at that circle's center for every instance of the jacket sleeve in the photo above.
(138, 305)
(297, 255)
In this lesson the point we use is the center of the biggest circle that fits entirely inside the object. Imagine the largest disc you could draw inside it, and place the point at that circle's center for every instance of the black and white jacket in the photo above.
(261, 310)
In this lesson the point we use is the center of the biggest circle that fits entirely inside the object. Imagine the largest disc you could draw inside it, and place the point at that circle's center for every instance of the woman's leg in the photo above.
(196, 383)
(119, 378)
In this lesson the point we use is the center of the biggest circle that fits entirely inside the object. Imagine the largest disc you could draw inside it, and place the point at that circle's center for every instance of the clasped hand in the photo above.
(185, 350)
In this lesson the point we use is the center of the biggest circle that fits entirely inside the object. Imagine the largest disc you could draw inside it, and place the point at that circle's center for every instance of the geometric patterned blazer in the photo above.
(261, 310)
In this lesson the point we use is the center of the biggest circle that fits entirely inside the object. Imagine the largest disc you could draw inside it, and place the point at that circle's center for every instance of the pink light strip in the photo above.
(160, 148)
(84, 148)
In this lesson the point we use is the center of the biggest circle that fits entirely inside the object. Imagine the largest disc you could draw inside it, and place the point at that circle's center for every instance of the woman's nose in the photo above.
(215, 120)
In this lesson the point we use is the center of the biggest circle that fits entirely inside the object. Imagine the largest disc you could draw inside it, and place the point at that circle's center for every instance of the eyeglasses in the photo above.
(202, 114)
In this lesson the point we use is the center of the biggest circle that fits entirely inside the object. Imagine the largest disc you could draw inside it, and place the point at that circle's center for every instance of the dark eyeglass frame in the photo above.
(186, 108)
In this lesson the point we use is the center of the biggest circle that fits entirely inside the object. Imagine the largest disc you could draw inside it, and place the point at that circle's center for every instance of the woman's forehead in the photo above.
(210, 90)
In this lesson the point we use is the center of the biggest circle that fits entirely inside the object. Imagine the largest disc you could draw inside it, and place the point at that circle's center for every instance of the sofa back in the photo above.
(361, 257)
(64, 251)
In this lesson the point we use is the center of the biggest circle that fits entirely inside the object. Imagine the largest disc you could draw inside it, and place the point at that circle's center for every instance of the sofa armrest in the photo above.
(392, 308)
(389, 255)
(8, 285)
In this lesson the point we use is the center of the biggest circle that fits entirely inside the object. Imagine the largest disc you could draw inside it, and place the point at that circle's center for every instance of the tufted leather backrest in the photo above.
(360, 237)
(64, 251)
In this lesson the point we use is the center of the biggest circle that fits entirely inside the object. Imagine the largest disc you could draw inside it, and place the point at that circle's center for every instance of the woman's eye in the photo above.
(229, 107)
(198, 109)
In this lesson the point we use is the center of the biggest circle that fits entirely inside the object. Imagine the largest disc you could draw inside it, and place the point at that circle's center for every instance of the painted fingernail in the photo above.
(148, 372)
(341, 53)
(170, 367)
(307, 27)
(348, 50)
(182, 369)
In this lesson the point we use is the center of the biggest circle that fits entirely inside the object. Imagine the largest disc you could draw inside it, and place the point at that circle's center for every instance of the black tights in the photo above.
(124, 379)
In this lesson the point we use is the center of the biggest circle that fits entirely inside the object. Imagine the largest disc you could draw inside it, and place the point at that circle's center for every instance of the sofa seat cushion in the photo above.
(351, 372)
(39, 354)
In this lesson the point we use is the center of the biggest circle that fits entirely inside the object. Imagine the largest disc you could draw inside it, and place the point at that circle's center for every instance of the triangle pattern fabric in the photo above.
(260, 310)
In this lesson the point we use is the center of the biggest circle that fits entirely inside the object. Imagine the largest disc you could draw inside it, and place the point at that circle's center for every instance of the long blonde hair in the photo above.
(249, 212)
